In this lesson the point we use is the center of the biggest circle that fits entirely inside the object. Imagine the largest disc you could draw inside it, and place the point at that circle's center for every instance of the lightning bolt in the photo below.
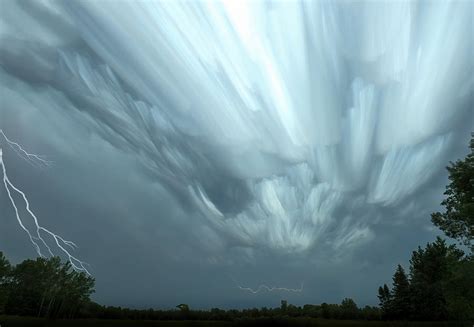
(29, 157)
(36, 236)
(266, 288)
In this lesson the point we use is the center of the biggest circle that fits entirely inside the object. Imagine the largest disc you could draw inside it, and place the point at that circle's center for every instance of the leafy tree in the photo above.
(4, 267)
(72, 292)
(459, 290)
(349, 309)
(458, 219)
(29, 285)
(46, 287)
(330, 311)
(5, 271)
(370, 313)
(400, 303)
(440, 286)
(311, 310)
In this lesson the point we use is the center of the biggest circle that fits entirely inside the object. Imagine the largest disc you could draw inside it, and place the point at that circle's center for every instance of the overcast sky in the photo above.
(201, 148)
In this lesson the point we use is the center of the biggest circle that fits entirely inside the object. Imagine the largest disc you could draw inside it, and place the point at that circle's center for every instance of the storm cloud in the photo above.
(202, 146)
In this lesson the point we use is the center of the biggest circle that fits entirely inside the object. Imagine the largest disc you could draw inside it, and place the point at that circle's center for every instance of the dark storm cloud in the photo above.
(193, 154)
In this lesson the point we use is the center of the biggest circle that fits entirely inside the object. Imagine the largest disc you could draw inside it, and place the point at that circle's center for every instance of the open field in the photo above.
(11, 321)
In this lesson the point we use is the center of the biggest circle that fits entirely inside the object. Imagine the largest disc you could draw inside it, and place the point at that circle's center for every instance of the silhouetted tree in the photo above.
(184, 310)
(430, 268)
(400, 304)
(349, 309)
(385, 299)
(183, 307)
(5, 272)
(459, 290)
(46, 287)
(370, 313)
(458, 219)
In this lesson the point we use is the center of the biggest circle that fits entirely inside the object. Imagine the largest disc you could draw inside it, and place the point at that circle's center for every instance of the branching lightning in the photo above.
(36, 236)
(271, 289)
(31, 158)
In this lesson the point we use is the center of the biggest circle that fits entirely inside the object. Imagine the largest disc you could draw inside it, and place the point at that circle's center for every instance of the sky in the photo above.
(199, 150)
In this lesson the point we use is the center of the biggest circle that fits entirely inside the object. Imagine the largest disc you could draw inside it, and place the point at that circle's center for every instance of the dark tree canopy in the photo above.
(401, 294)
(430, 271)
(5, 271)
(439, 286)
(385, 298)
(441, 280)
(349, 308)
(458, 219)
(43, 287)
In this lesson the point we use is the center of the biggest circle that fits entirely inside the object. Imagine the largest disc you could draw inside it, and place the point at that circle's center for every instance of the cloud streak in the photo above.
(291, 128)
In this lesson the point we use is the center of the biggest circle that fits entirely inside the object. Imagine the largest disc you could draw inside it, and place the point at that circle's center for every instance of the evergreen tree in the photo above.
(385, 299)
(401, 305)
(430, 268)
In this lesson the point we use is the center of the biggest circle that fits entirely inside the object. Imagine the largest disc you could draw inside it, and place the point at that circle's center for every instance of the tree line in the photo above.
(44, 287)
(438, 286)
(440, 282)
(346, 310)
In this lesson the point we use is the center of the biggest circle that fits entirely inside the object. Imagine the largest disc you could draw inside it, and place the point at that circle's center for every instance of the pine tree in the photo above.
(385, 298)
(400, 306)
(430, 268)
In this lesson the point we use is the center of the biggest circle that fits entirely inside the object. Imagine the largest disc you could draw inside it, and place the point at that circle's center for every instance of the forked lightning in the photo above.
(36, 236)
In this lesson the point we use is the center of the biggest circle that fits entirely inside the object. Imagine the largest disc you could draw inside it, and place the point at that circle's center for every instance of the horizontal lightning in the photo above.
(271, 289)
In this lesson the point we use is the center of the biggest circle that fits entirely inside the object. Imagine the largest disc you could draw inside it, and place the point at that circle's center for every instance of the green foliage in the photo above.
(459, 290)
(430, 268)
(440, 286)
(45, 287)
(253, 316)
(5, 272)
(458, 219)
(247, 322)
(441, 283)
(349, 309)
(370, 313)
(4, 268)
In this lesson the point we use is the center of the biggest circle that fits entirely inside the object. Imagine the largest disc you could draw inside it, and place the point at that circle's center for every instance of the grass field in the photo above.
(11, 321)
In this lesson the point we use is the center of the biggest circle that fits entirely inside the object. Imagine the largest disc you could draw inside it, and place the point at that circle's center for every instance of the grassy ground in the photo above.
(10, 321)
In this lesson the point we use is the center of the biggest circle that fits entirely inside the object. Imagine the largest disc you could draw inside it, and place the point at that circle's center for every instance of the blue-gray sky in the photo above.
(202, 146)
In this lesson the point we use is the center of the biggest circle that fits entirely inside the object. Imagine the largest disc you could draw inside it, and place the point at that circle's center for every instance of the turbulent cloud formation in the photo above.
(273, 128)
